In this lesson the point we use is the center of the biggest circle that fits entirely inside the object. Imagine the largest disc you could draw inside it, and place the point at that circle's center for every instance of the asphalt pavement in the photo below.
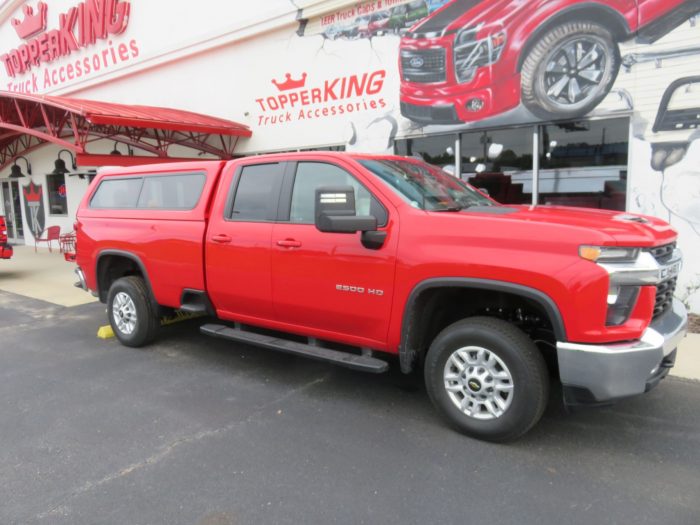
(199, 431)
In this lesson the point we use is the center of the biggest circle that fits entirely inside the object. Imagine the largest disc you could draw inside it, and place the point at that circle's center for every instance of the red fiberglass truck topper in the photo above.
(474, 59)
(358, 257)
(5, 249)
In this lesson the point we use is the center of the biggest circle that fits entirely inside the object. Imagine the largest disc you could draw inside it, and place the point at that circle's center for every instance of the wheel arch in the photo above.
(415, 325)
(606, 16)
(110, 259)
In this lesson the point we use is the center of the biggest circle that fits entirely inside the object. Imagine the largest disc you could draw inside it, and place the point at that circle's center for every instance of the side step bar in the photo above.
(344, 359)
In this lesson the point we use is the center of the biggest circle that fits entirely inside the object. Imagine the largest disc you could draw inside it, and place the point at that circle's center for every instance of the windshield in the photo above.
(424, 186)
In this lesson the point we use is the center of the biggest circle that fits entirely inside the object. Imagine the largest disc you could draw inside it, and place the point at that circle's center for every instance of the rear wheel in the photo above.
(570, 70)
(487, 378)
(131, 312)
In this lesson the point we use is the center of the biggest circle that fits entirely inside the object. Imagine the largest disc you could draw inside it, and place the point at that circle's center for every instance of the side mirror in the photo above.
(335, 211)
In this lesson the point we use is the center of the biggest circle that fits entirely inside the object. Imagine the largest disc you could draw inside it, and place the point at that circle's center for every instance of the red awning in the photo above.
(29, 121)
(146, 116)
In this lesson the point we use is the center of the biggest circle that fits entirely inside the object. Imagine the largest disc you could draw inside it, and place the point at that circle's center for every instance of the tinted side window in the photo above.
(257, 193)
(172, 192)
(117, 193)
(312, 175)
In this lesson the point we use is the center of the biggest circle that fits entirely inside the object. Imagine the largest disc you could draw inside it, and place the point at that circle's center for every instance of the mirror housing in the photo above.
(335, 211)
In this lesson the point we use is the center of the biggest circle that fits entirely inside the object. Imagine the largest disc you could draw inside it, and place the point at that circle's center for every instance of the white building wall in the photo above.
(220, 58)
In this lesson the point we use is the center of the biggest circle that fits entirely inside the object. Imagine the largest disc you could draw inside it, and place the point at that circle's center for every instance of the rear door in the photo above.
(238, 241)
(329, 284)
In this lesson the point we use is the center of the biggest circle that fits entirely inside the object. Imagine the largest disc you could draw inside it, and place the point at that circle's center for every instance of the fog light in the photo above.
(475, 104)
(621, 302)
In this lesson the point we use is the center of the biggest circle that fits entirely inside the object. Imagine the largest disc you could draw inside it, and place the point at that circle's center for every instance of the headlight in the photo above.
(471, 54)
(605, 254)
(466, 36)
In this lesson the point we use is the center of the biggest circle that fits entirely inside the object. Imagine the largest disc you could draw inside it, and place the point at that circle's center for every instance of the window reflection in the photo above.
(584, 163)
(499, 162)
(437, 150)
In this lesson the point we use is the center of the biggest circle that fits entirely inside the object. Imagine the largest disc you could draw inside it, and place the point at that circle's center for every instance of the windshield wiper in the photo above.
(456, 207)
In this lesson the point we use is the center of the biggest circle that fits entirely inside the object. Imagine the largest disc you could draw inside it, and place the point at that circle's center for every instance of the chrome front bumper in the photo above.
(598, 373)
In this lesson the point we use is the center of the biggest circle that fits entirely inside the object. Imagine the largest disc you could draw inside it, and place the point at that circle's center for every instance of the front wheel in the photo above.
(569, 71)
(487, 378)
(131, 313)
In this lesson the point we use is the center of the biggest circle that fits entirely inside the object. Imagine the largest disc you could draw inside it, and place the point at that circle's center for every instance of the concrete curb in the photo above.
(688, 358)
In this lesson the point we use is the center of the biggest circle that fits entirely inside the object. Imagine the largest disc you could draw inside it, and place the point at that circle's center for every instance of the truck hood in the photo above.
(625, 229)
(445, 16)
(459, 14)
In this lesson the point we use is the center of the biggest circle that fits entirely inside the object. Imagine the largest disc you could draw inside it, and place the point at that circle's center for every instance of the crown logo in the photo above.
(289, 84)
(32, 192)
(32, 23)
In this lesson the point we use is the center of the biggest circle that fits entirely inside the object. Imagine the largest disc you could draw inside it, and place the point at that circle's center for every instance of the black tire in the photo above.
(523, 363)
(536, 81)
(145, 321)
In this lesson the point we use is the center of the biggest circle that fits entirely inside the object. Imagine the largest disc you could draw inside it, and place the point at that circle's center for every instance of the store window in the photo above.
(499, 162)
(56, 185)
(437, 150)
(584, 163)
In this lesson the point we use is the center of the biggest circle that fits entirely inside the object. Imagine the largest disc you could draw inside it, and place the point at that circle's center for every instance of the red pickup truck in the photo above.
(5, 249)
(357, 256)
(474, 59)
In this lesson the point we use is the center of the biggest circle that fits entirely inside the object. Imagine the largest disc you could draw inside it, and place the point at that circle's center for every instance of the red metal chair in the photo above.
(67, 244)
(52, 234)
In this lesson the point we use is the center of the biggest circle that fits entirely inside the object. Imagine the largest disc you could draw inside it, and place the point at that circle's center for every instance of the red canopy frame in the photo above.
(27, 122)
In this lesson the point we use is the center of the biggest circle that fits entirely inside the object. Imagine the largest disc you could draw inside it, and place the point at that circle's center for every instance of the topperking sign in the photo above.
(81, 27)
(344, 95)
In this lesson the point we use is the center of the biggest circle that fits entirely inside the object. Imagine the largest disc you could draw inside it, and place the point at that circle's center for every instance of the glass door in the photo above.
(12, 204)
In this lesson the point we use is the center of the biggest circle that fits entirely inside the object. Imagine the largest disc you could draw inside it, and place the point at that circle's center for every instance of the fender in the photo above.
(407, 356)
(102, 294)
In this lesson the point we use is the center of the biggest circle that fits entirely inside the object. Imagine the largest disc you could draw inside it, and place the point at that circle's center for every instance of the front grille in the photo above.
(665, 289)
(663, 253)
(424, 66)
(664, 296)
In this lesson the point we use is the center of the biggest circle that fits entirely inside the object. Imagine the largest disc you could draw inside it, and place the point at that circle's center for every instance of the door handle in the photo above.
(289, 243)
(221, 238)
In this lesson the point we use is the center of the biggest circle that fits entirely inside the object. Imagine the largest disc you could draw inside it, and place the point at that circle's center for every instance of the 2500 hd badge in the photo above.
(358, 289)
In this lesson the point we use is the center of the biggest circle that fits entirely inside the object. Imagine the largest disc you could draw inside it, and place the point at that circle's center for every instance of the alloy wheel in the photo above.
(478, 382)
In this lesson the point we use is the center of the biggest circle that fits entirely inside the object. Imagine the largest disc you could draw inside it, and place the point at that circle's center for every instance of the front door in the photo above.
(329, 282)
(12, 204)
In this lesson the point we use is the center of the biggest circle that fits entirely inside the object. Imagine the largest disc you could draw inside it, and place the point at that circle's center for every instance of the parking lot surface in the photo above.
(199, 431)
